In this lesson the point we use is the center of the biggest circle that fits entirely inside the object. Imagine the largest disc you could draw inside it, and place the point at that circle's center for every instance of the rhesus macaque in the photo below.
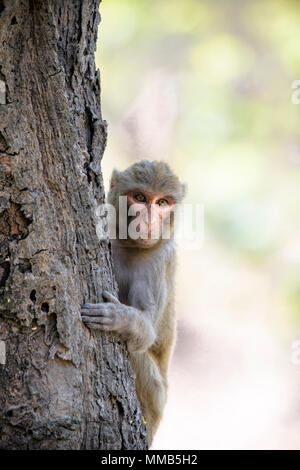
(144, 266)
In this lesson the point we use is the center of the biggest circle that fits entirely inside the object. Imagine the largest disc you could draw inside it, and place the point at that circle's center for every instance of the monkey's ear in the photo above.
(114, 178)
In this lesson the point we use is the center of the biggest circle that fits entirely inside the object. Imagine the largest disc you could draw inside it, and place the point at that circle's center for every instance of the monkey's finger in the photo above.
(98, 320)
(89, 305)
(107, 295)
(90, 311)
(97, 326)
(105, 310)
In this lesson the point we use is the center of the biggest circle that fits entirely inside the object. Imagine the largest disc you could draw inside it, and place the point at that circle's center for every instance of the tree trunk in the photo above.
(61, 385)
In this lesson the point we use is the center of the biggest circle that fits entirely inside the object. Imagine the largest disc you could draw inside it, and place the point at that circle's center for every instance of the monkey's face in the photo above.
(150, 217)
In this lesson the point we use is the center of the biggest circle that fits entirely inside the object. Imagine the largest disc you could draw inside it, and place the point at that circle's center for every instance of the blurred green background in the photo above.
(206, 86)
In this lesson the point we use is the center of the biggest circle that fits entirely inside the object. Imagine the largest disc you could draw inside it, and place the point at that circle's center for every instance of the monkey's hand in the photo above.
(107, 316)
(131, 323)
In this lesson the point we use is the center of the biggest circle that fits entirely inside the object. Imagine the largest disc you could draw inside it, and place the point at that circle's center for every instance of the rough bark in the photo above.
(61, 385)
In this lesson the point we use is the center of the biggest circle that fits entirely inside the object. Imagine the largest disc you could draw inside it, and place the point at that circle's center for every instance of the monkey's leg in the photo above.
(151, 390)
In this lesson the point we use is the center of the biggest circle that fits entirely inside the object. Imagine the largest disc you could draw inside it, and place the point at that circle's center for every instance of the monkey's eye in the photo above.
(162, 202)
(140, 197)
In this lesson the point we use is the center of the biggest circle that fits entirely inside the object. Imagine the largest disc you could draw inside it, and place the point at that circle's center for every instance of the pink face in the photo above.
(152, 209)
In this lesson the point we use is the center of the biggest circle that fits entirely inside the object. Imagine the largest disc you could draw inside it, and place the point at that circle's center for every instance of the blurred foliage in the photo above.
(235, 137)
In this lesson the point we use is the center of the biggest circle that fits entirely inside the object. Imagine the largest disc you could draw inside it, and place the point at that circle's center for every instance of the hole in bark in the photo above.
(51, 334)
(4, 272)
(14, 21)
(89, 127)
(33, 296)
(1, 6)
(34, 325)
(117, 405)
(45, 307)
(25, 266)
(120, 408)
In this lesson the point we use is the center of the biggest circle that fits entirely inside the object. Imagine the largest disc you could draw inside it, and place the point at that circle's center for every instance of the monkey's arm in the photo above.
(133, 324)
